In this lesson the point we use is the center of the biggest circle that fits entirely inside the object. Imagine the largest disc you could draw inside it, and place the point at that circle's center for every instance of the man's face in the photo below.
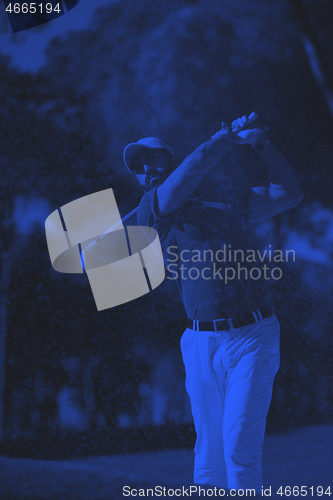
(152, 166)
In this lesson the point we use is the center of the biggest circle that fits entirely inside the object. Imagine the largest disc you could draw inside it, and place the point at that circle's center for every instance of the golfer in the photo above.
(231, 345)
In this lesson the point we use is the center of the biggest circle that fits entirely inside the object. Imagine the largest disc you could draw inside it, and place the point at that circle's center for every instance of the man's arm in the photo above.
(284, 191)
(182, 182)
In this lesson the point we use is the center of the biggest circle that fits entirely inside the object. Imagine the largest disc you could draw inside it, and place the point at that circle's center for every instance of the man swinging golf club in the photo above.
(230, 347)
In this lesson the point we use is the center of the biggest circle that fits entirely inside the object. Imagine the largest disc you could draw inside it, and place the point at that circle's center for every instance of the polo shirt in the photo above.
(199, 245)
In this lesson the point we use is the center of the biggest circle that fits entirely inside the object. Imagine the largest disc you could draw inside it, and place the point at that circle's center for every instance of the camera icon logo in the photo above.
(122, 264)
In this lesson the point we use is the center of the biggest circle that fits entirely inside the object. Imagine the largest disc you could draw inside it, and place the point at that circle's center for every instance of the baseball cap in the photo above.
(147, 142)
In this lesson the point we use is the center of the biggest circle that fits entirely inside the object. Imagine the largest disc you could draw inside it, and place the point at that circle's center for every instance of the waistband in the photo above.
(225, 324)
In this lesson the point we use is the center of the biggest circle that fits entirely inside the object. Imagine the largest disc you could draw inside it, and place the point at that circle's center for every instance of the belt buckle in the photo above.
(215, 321)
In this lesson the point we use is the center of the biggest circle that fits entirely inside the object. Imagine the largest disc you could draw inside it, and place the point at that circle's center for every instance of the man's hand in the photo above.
(250, 136)
(224, 132)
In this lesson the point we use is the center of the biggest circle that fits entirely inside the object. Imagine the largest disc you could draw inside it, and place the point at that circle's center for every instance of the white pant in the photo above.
(229, 378)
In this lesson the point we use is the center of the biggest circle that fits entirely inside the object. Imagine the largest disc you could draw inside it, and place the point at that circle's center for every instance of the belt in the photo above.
(224, 324)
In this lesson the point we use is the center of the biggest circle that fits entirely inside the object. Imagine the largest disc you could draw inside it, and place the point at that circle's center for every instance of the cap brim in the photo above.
(133, 148)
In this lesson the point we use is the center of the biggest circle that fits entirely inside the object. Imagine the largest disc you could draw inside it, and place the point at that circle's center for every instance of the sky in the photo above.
(27, 48)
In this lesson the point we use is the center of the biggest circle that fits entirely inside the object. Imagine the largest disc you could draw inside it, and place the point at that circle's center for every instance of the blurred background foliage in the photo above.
(172, 69)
